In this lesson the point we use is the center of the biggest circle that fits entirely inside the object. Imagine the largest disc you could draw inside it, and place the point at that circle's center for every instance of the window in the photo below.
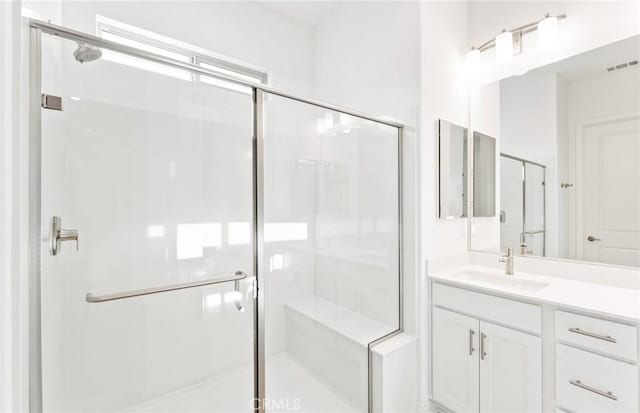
(132, 36)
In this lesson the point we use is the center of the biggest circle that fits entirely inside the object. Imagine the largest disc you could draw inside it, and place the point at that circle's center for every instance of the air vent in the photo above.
(622, 66)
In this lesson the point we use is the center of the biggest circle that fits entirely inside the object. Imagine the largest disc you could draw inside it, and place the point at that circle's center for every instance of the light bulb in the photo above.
(504, 46)
(548, 33)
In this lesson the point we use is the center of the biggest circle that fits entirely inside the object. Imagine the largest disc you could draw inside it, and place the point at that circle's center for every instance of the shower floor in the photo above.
(290, 387)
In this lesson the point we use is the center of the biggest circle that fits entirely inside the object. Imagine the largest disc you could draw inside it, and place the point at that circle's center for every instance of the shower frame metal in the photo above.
(259, 91)
(523, 234)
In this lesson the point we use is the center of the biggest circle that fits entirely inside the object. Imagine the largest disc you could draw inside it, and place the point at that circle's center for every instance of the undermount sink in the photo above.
(509, 281)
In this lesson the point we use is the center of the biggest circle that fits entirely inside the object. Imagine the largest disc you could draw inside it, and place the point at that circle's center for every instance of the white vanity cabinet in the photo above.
(456, 366)
(487, 354)
(478, 365)
(510, 370)
(596, 364)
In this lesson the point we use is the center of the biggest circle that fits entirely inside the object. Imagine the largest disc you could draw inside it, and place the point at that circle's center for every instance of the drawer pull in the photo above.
(592, 389)
(592, 335)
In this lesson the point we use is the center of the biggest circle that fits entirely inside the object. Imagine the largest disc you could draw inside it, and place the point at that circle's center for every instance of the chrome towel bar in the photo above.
(239, 275)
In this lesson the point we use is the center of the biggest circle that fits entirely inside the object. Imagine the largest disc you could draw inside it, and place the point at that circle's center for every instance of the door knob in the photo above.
(57, 235)
(591, 238)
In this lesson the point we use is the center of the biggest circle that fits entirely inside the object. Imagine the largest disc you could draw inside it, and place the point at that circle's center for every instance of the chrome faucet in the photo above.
(508, 260)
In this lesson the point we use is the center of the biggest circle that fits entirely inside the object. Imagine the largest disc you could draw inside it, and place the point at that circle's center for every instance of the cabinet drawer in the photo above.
(587, 382)
(523, 316)
(619, 340)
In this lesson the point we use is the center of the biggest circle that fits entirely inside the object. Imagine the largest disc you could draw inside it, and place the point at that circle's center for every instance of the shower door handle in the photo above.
(236, 277)
(57, 234)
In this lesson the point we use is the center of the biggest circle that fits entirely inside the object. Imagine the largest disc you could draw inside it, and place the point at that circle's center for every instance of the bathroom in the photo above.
(320, 206)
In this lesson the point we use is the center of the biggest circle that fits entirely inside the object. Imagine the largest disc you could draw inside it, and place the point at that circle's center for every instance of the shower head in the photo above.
(87, 53)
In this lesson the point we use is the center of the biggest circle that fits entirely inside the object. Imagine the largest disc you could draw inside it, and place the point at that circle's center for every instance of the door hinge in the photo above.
(51, 102)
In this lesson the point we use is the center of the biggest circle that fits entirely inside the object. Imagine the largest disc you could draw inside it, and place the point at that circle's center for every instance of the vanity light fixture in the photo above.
(508, 43)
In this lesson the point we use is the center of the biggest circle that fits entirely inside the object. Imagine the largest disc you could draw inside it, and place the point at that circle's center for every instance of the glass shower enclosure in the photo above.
(197, 247)
(522, 205)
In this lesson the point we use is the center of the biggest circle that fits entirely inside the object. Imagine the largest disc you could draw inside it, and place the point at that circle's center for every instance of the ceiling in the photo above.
(306, 13)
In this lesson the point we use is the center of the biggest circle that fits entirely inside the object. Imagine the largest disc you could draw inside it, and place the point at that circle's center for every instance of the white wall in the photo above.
(443, 95)
(588, 25)
(528, 116)
(367, 57)
(484, 117)
(243, 30)
(529, 123)
(606, 95)
(565, 150)
(13, 215)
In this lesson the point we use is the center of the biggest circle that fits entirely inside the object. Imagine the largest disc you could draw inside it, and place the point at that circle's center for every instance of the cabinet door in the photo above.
(455, 361)
(510, 370)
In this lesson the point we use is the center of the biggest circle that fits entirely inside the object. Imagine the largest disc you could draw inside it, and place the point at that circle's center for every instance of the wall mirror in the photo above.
(568, 180)
(452, 170)
(484, 175)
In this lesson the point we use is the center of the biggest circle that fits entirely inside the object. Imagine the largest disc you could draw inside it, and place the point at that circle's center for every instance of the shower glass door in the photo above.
(331, 254)
(534, 220)
(153, 168)
(522, 206)
(511, 203)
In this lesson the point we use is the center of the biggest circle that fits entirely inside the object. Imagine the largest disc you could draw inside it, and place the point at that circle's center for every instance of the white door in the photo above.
(455, 361)
(610, 192)
(510, 370)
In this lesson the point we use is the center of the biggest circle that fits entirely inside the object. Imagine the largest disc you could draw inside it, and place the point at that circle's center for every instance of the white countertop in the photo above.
(600, 299)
